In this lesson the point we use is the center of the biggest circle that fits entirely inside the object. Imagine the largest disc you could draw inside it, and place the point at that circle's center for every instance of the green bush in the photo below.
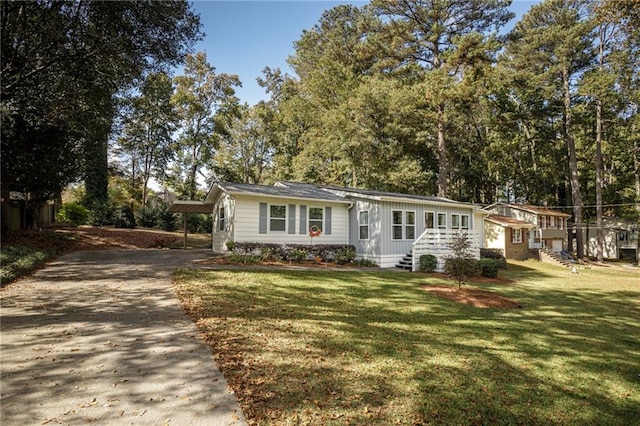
(297, 255)
(344, 256)
(103, 214)
(489, 267)
(166, 221)
(147, 217)
(199, 223)
(231, 245)
(243, 258)
(73, 213)
(16, 261)
(365, 262)
(125, 218)
(428, 263)
(497, 254)
(460, 268)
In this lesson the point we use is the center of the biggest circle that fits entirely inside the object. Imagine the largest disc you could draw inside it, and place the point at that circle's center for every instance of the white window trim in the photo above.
(465, 228)
(438, 221)
(434, 219)
(269, 218)
(309, 220)
(401, 225)
(453, 225)
(362, 225)
(516, 236)
(222, 221)
(406, 224)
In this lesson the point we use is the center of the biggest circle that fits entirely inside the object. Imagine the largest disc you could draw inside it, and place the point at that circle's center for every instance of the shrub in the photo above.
(148, 217)
(73, 213)
(461, 268)
(462, 264)
(296, 255)
(125, 218)
(102, 214)
(489, 267)
(496, 254)
(199, 223)
(365, 262)
(242, 258)
(266, 253)
(231, 245)
(428, 263)
(166, 221)
(345, 255)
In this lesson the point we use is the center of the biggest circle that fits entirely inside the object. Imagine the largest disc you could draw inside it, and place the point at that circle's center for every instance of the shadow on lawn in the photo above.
(375, 347)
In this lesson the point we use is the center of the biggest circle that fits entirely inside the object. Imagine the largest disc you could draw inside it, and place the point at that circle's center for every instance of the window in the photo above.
(363, 224)
(455, 221)
(516, 236)
(560, 223)
(464, 221)
(410, 225)
(442, 221)
(397, 224)
(278, 218)
(315, 218)
(221, 219)
(429, 220)
(542, 222)
(552, 224)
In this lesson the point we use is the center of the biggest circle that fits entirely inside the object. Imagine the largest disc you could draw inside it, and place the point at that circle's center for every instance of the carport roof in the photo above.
(180, 206)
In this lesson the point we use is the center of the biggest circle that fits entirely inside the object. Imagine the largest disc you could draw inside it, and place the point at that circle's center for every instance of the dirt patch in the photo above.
(479, 279)
(473, 296)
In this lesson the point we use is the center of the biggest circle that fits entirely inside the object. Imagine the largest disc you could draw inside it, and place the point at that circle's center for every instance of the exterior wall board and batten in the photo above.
(243, 221)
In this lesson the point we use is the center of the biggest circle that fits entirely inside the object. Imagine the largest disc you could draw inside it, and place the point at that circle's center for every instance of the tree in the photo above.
(147, 134)
(553, 43)
(461, 264)
(205, 102)
(246, 152)
(444, 38)
(62, 63)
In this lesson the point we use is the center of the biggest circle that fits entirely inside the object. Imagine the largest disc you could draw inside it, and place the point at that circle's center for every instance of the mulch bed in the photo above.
(473, 296)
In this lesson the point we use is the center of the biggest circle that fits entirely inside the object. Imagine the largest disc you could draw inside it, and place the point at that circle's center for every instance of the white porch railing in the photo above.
(436, 242)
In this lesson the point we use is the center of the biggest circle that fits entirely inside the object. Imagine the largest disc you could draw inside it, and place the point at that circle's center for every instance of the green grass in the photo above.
(374, 348)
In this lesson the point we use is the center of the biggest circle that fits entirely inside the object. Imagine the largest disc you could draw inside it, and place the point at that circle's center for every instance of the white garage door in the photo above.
(556, 245)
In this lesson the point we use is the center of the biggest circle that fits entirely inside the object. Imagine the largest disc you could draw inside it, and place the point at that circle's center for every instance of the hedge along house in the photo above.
(384, 227)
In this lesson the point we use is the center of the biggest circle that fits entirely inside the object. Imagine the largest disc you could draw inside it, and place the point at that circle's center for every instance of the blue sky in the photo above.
(243, 37)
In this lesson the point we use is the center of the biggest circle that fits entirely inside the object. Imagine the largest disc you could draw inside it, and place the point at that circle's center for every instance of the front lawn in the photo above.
(321, 347)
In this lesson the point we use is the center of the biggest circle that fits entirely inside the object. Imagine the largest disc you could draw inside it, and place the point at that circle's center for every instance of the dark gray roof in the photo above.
(288, 190)
(373, 193)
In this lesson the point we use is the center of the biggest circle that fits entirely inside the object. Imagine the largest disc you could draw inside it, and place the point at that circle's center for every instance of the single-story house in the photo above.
(384, 227)
(549, 226)
(620, 239)
(509, 235)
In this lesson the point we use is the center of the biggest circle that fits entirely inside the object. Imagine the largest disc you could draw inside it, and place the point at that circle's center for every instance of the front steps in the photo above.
(406, 262)
(549, 256)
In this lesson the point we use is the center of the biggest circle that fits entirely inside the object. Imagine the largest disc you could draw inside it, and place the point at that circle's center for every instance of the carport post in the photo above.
(185, 230)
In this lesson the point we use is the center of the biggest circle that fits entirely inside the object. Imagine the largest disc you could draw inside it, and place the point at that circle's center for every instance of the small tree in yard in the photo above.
(462, 264)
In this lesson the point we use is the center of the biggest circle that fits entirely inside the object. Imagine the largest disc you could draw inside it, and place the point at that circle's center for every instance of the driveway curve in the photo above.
(100, 337)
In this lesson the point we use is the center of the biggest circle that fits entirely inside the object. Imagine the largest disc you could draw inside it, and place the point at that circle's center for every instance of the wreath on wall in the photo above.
(314, 231)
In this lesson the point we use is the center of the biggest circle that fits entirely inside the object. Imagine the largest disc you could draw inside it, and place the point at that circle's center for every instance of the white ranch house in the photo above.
(390, 229)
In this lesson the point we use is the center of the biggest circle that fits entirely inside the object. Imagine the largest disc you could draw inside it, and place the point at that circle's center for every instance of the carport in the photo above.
(186, 207)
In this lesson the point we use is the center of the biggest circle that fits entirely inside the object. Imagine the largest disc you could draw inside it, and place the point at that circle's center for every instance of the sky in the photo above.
(244, 37)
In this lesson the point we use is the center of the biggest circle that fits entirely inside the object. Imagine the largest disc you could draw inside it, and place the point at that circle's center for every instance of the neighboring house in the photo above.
(507, 234)
(620, 239)
(15, 214)
(549, 226)
(384, 227)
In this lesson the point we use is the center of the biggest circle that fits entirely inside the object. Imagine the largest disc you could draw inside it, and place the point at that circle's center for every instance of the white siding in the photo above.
(220, 238)
(246, 222)
(494, 236)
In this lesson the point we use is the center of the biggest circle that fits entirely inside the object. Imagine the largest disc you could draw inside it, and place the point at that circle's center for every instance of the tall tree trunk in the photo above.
(576, 196)
(599, 230)
(443, 164)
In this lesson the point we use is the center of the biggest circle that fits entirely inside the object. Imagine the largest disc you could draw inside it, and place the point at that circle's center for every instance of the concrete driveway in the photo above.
(99, 337)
